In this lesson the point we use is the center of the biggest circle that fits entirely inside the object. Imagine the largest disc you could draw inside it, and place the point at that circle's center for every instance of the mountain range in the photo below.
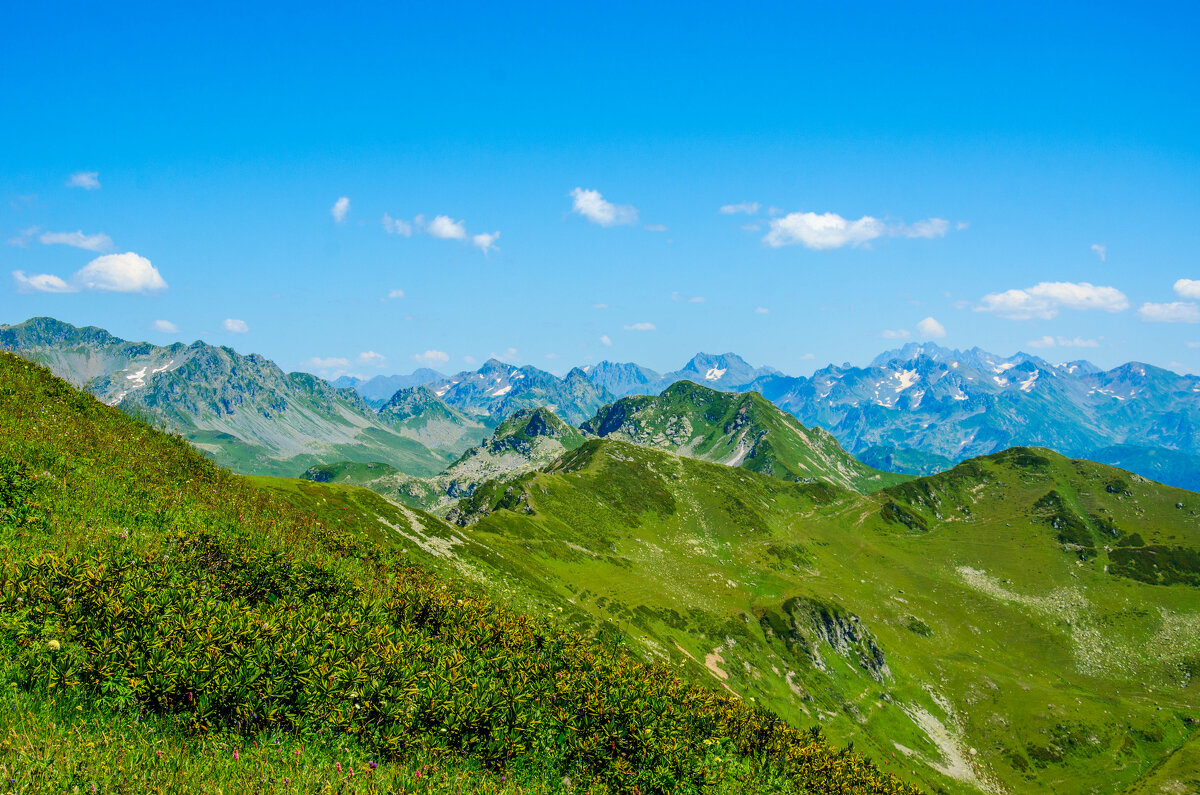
(916, 410)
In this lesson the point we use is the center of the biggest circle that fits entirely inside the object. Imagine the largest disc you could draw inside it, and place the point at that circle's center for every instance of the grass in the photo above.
(1062, 672)
(154, 601)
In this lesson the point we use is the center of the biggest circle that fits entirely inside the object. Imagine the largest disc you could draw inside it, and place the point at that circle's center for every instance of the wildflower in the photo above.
(53, 645)
(235, 755)
(287, 781)
(339, 767)
(372, 765)
(158, 754)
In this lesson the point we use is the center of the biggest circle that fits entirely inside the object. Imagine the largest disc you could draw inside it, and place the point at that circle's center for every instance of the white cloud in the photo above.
(594, 207)
(821, 232)
(749, 208)
(931, 329)
(691, 299)
(655, 227)
(1063, 342)
(761, 310)
(111, 273)
(643, 326)
(96, 242)
(396, 226)
(1101, 251)
(469, 359)
(23, 237)
(120, 273)
(394, 294)
(1174, 312)
(329, 363)
(485, 242)
(1188, 288)
(445, 228)
(432, 357)
(605, 340)
(41, 283)
(372, 359)
(927, 229)
(88, 180)
(830, 230)
(340, 209)
(599, 306)
(235, 326)
(962, 226)
(509, 354)
(806, 356)
(895, 334)
(165, 326)
(1044, 300)
(1193, 344)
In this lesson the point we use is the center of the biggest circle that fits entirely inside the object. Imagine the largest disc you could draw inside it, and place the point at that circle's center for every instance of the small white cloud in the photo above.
(340, 209)
(88, 180)
(894, 334)
(97, 242)
(1193, 344)
(1188, 288)
(328, 363)
(372, 359)
(962, 226)
(469, 359)
(821, 232)
(927, 229)
(599, 306)
(431, 357)
(655, 227)
(761, 310)
(165, 326)
(41, 283)
(1044, 300)
(446, 228)
(111, 273)
(120, 273)
(396, 226)
(235, 326)
(830, 230)
(605, 341)
(1101, 251)
(643, 326)
(691, 299)
(806, 356)
(394, 294)
(1063, 342)
(931, 329)
(23, 238)
(594, 207)
(748, 208)
(485, 242)
(1174, 312)
(754, 227)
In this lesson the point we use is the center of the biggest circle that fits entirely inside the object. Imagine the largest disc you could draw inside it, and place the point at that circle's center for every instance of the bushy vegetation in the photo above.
(152, 600)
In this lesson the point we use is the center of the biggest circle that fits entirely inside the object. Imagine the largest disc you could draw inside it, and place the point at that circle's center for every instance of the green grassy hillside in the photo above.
(743, 430)
(168, 627)
(1021, 623)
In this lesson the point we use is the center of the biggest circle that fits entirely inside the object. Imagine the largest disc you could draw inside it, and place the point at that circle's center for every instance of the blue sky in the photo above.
(1026, 177)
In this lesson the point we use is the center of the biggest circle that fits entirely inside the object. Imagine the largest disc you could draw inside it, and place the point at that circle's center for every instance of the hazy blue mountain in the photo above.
(727, 372)
(623, 378)
(379, 389)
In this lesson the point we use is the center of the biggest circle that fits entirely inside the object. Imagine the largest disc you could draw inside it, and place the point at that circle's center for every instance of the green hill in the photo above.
(167, 627)
(743, 430)
(419, 414)
(1021, 623)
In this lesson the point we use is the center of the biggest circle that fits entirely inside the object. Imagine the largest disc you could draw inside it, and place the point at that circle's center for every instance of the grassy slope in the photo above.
(739, 429)
(998, 636)
(152, 601)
